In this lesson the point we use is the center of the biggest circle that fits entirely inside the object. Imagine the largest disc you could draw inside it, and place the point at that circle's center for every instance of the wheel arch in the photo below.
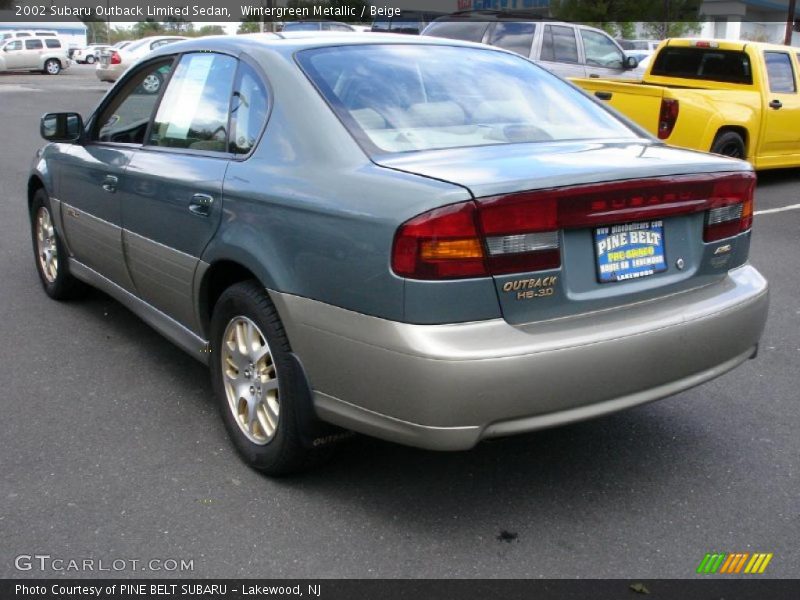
(222, 273)
(35, 183)
(743, 132)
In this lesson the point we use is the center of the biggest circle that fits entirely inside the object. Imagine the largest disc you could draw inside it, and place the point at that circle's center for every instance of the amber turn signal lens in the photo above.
(451, 249)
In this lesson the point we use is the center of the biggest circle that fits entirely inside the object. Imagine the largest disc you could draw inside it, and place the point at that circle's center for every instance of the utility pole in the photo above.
(790, 23)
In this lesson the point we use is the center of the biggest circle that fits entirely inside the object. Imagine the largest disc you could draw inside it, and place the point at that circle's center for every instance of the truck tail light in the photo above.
(115, 58)
(521, 232)
(667, 117)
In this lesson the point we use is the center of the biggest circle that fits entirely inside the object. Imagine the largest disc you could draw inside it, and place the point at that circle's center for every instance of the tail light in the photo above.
(115, 58)
(732, 209)
(518, 233)
(667, 117)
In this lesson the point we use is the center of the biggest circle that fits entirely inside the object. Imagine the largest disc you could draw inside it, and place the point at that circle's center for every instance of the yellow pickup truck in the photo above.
(740, 99)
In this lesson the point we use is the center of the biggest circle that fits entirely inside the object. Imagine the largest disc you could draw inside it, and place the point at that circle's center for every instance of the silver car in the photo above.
(47, 55)
(114, 61)
(428, 241)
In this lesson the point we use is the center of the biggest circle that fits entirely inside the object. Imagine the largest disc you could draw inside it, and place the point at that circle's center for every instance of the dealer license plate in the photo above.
(629, 251)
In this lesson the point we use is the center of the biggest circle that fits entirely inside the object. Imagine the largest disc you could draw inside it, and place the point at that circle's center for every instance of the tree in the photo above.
(147, 27)
(210, 30)
(664, 18)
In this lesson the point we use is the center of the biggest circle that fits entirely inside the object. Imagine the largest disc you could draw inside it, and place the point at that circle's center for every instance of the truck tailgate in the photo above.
(638, 101)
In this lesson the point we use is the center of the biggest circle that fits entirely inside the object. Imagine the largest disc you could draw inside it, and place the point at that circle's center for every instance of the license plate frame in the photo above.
(629, 251)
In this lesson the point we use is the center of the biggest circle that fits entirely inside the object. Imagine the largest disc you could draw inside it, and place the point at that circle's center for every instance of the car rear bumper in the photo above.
(109, 73)
(446, 387)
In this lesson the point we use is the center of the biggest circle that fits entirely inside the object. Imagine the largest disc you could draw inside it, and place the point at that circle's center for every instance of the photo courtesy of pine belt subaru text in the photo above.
(428, 241)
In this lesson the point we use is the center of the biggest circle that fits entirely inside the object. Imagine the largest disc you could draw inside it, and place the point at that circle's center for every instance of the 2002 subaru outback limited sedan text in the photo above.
(427, 241)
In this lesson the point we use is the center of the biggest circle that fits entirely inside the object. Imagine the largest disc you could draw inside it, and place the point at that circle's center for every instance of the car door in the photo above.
(602, 57)
(559, 51)
(13, 55)
(32, 54)
(172, 201)
(781, 134)
(92, 175)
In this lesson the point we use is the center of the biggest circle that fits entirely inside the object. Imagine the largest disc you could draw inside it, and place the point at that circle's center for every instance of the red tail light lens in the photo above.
(731, 208)
(667, 117)
(440, 244)
(520, 232)
(115, 58)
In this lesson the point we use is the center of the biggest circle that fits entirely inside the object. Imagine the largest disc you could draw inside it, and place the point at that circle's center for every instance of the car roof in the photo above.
(290, 42)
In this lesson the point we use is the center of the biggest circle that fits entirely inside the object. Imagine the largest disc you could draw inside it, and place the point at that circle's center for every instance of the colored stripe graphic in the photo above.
(722, 563)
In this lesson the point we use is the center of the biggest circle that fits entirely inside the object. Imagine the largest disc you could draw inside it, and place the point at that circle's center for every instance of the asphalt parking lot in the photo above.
(112, 447)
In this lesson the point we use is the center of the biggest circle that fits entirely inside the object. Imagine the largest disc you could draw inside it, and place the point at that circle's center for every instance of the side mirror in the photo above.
(631, 62)
(61, 127)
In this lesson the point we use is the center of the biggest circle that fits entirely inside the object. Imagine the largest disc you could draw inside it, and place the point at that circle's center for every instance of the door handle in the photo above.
(110, 183)
(604, 95)
(776, 104)
(201, 204)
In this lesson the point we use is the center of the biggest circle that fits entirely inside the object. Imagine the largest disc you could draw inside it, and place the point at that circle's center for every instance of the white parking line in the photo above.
(777, 210)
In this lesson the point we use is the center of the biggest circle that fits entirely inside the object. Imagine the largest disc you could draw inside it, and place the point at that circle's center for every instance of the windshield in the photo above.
(301, 26)
(401, 98)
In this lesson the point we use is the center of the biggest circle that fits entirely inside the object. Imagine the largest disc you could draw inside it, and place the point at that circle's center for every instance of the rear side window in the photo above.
(33, 44)
(51, 43)
(469, 31)
(515, 36)
(248, 110)
(704, 63)
(194, 111)
(559, 44)
(780, 73)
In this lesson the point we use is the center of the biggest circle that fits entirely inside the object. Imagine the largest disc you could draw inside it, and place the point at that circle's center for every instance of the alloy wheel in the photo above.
(250, 380)
(46, 245)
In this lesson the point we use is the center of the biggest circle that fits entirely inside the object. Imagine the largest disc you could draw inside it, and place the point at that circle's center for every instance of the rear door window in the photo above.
(515, 36)
(33, 44)
(194, 112)
(780, 73)
(248, 110)
(559, 44)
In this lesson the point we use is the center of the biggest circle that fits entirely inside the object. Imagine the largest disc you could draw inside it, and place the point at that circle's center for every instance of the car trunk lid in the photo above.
(575, 227)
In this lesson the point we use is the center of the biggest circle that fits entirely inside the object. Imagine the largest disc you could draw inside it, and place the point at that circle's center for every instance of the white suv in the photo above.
(567, 49)
(45, 54)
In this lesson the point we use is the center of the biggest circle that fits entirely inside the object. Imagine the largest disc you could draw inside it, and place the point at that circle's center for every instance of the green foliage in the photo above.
(664, 18)
(210, 30)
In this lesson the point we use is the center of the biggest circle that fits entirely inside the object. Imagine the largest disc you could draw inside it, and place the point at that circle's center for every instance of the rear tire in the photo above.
(255, 382)
(50, 254)
(729, 143)
(52, 67)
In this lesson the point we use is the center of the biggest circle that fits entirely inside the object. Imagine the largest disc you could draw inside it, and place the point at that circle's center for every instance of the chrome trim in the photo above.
(178, 334)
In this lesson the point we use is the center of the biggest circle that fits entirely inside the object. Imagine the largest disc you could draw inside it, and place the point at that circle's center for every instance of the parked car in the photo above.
(114, 61)
(567, 49)
(45, 54)
(734, 98)
(89, 54)
(316, 26)
(23, 33)
(122, 44)
(458, 246)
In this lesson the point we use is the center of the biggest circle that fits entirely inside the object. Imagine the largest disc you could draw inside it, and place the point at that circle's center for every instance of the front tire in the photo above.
(90, 60)
(255, 382)
(50, 254)
(52, 67)
(729, 143)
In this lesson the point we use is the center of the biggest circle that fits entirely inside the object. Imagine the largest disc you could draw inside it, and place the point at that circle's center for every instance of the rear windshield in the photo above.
(401, 98)
(703, 63)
